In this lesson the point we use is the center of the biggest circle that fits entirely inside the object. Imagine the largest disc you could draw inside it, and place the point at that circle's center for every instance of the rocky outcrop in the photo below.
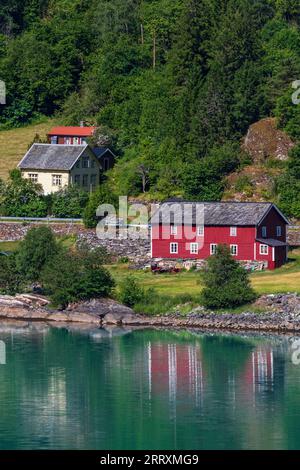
(264, 140)
(33, 307)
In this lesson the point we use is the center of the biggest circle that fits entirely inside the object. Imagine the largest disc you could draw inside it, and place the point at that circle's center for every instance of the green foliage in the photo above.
(288, 185)
(102, 195)
(171, 83)
(19, 197)
(73, 276)
(11, 281)
(38, 246)
(130, 293)
(226, 282)
(69, 202)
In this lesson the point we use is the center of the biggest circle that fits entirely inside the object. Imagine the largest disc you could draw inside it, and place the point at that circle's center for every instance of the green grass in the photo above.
(184, 288)
(284, 279)
(67, 240)
(14, 144)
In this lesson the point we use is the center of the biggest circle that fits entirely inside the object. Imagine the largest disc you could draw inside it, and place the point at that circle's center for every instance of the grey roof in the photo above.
(51, 157)
(212, 213)
(99, 151)
(271, 242)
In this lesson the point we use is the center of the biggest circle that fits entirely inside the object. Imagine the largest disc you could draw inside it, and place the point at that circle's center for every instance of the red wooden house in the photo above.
(70, 135)
(193, 230)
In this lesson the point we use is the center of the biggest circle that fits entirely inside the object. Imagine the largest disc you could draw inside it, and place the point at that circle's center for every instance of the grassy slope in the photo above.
(14, 144)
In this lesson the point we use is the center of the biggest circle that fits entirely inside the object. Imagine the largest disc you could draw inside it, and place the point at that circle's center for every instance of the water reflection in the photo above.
(72, 386)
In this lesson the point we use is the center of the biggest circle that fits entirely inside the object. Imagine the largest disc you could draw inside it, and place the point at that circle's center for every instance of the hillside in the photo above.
(14, 143)
(174, 84)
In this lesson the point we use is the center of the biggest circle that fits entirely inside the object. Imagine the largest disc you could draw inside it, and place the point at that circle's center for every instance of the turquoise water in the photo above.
(74, 388)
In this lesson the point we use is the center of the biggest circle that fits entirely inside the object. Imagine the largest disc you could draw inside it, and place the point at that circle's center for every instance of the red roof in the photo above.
(70, 131)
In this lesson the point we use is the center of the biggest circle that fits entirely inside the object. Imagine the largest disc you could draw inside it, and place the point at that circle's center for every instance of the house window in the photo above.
(200, 231)
(85, 162)
(213, 248)
(264, 232)
(54, 139)
(234, 250)
(77, 180)
(85, 179)
(173, 248)
(93, 163)
(173, 230)
(278, 231)
(263, 250)
(33, 177)
(93, 180)
(67, 140)
(76, 141)
(56, 180)
(233, 231)
(194, 248)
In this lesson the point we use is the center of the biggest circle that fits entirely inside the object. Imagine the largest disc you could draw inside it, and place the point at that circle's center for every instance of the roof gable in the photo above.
(215, 213)
(52, 157)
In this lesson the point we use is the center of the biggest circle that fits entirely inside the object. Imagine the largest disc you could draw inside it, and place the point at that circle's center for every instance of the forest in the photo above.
(173, 84)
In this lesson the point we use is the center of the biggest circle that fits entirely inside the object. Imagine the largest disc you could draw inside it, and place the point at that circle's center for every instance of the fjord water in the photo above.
(74, 388)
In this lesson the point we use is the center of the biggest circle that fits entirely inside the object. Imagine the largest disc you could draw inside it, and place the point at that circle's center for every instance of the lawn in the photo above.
(14, 144)
(285, 279)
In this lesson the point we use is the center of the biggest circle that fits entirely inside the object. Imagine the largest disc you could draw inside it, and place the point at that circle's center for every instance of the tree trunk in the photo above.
(154, 50)
(142, 33)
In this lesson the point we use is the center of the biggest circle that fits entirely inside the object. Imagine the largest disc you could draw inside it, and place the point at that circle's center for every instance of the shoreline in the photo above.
(281, 313)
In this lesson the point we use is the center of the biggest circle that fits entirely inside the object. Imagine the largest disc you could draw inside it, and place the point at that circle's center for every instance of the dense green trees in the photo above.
(176, 82)
(66, 275)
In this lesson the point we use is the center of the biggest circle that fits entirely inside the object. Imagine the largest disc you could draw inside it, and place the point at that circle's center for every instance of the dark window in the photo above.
(93, 180)
(77, 179)
(85, 162)
(85, 179)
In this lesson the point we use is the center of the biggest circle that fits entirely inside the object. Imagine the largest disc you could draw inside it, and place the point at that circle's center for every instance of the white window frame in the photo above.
(278, 231)
(236, 250)
(33, 177)
(200, 231)
(261, 250)
(233, 231)
(194, 248)
(213, 248)
(56, 180)
(173, 230)
(264, 231)
(175, 246)
(75, 140)
(67, 140)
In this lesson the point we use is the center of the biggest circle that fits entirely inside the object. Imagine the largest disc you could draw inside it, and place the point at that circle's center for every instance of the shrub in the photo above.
(69, 202)
(130, 293)
(69, 277)
(226, 282)
(11, 281)
(38, 246)
(102, 195)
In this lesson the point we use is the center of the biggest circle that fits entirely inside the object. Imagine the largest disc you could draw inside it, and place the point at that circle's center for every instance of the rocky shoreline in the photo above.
(280, 313)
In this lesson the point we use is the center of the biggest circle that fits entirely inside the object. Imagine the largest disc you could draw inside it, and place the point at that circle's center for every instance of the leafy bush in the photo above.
(72, 276)
(19, 197)
(226, 282)
(11, 281)
(102, 195)
(130, 293)
(38, 246)
(69, 202)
